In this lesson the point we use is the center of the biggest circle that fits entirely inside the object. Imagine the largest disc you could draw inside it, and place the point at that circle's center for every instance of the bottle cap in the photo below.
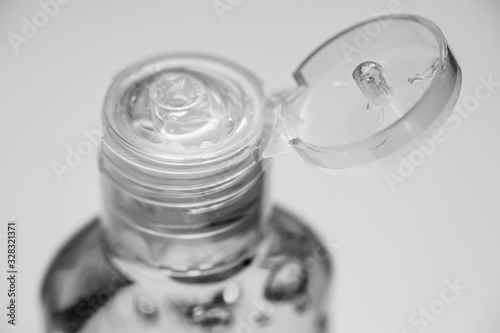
(368, 95)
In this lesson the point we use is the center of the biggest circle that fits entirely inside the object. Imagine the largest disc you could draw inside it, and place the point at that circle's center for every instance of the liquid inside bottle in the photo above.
(281, 287)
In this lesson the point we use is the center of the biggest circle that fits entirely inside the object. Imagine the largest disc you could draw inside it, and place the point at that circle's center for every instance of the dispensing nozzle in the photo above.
(184, 111)
(174, 95)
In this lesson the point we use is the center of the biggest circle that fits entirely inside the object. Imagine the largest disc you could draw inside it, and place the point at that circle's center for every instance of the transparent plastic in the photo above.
(339, 121)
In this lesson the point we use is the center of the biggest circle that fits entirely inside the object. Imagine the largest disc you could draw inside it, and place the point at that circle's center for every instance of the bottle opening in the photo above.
(183, 110)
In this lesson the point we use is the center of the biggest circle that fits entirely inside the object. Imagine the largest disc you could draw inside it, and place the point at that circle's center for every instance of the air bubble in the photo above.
(260, 320)
(146, 307)
(206, 144)
(230, 124)
(287, 282)
(231, 294)
(209, 315)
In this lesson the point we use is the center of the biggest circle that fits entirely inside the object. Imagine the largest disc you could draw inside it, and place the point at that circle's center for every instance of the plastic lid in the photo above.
(369, 94)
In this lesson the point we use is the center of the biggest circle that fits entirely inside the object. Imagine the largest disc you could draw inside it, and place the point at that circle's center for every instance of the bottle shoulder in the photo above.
(85, 249)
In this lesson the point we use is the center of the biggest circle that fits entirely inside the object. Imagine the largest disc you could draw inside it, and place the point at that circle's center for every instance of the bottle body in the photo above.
(281, 287)
(187, 240)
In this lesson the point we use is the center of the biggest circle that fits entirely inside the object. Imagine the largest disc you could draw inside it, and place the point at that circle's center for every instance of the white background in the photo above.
(396, 248)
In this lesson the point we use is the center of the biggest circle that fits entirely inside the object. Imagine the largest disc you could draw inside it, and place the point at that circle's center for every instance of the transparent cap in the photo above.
(368, 95)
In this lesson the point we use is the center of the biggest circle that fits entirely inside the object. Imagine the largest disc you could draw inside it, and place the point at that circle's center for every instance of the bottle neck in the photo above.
(186, 226)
